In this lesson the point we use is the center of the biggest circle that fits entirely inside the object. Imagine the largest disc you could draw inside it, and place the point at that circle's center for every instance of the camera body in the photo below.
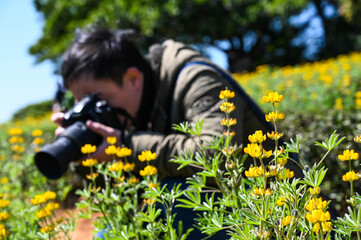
(53, 159)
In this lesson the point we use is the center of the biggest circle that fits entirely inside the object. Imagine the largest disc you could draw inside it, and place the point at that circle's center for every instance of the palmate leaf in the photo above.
(314, 177)
(331, 142)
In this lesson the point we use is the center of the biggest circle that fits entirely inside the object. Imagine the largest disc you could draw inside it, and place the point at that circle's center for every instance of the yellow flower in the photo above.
(129, 167)
(273, 97)
(153, 185)
(348, 155)
(52, 206)
(274, 135)
(18, 149)
(149, 201)
(89, 162)
(116, 167)
(262, 191)
(351, 176)
(227, 107)
(4, 203)
(228, 122)
(326, 226)
(147, 156)
(282, 161)
(4, 180)
(357, 139)
(43, 213)
(254, 172)
(124, 152)
(111, 150)
(148, 170)
(318, 216)
(315, 191)
(88, 148)
(229, 133)
(281, 201)
(47, 229)
(16, 139)
(133, 180)
(226, 94)
(42, 198)
(112, 140)
(338, 104)
(37, 132)
(254, 150)
(92, 176)
(3, 231)
(274, 116)
(316, 203)
(4, 216)
(38, 141)
(257, 137)
(287, 174)
(15, 131)
(286, 220)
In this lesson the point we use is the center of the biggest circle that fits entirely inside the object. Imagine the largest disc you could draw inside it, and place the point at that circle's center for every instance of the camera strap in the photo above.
(127, 117)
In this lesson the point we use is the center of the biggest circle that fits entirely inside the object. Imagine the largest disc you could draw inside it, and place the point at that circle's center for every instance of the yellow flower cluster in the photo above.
(133, 180)
(351, 176)
(227, 107)
(282, 200)
(4, 203)
(148, 170)
(228, 122)
(273, 97)
(111, 150)
(16, 139)
(286, 220)
(257, 137)
(257, 151)
(47, 229)
(4, 216)
(42, 198)
(226, 94)
(348, 155)
(262, 192)
(274, 116)
(88, 149)
(317, 216)
(112, 140)
(15, 131)
(147, 156)
(37, 132)
(116, 167)
(315, 191)
(90, 162)
(92, 176)
(3, 231)
(153, 185)
(274, 135)
(286, 173)
(129, 167)
(124, 152)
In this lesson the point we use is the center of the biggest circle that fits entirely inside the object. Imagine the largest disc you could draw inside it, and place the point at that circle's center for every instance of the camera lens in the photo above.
(53, 159)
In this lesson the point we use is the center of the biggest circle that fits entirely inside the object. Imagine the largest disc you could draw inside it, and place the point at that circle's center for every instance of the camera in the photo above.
(53, 159)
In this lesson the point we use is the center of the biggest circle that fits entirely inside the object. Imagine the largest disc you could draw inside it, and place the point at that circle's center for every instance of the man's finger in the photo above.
(102, 129)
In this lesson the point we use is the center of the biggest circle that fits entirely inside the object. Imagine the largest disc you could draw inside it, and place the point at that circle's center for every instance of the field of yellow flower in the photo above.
(315, 102)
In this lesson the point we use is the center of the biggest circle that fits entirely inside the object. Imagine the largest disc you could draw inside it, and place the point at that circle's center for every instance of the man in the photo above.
(157, 92)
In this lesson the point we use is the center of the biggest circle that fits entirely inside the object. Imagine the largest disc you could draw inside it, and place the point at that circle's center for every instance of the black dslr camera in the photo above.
(53, 159)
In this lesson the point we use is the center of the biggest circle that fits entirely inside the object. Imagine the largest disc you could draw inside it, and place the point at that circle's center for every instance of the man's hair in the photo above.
(103, 54)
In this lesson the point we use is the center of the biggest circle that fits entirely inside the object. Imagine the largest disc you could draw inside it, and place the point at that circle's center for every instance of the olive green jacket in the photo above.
(188, 96)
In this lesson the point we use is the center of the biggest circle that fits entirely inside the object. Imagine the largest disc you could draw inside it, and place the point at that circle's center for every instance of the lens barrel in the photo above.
(53, 159)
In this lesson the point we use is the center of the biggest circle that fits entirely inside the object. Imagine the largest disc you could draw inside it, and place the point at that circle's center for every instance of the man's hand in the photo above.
(104, 131)
(57, 118)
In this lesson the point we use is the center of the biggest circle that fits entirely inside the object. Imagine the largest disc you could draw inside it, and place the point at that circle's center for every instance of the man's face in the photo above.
(126, 96)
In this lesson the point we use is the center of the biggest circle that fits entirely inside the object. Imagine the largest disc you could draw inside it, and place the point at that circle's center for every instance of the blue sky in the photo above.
(21, 81)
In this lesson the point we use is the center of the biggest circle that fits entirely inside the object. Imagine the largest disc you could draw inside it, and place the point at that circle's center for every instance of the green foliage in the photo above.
(33, 110)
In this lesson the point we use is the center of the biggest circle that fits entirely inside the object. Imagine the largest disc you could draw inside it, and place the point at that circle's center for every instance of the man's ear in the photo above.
(133, 77)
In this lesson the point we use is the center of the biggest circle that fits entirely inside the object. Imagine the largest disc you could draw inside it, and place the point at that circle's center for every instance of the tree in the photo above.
(254, 31)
